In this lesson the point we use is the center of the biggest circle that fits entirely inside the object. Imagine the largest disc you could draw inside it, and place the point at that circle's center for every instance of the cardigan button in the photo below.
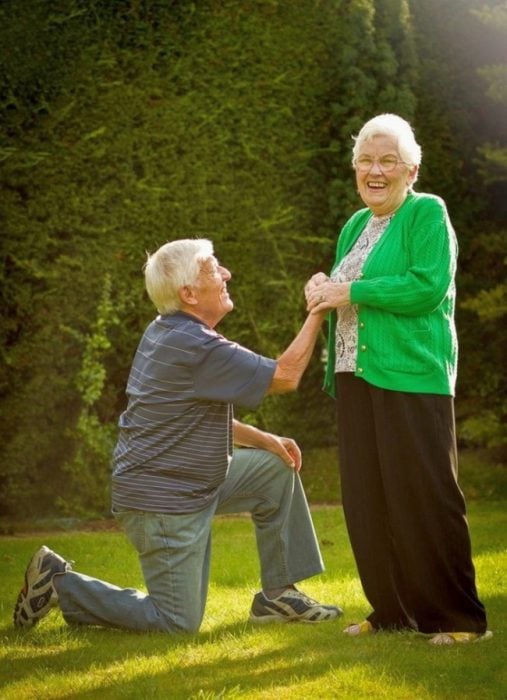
(361, 324)
(360, 370)
(363, 348)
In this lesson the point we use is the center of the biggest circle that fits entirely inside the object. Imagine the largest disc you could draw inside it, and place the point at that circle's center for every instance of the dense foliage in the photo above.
(131, 122)
(462, 122)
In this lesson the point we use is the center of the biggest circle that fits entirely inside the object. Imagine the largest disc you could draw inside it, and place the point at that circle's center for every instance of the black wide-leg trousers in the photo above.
(404, 510)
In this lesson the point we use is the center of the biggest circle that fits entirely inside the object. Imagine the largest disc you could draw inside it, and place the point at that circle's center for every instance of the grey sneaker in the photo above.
(291, 606)
(38, 595)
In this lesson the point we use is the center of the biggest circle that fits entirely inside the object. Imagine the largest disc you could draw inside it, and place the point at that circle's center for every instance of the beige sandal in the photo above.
(448, 638)
(357, 628)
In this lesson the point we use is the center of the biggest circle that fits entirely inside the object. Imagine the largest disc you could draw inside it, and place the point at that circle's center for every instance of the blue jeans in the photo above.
(174, 551)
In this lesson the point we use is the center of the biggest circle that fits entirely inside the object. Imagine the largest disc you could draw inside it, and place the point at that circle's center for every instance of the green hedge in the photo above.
(129, 123)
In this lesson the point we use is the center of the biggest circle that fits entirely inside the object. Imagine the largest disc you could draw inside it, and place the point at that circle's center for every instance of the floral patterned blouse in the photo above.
(349, 270)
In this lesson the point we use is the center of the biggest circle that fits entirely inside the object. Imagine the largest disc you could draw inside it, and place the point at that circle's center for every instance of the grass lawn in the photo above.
(230, 658)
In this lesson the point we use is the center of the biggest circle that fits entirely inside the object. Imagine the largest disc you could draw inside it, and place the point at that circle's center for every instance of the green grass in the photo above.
(229, 658)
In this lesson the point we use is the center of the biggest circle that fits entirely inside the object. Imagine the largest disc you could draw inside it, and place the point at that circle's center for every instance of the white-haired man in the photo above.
(174, 466)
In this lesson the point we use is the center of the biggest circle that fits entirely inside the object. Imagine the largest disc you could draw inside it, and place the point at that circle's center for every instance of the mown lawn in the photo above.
(230, 658)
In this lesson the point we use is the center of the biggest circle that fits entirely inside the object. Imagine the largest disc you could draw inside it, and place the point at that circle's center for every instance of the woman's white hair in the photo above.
(396, 127)
(172, 266)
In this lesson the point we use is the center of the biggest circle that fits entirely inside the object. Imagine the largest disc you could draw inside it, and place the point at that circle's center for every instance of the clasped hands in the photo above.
(322, 293)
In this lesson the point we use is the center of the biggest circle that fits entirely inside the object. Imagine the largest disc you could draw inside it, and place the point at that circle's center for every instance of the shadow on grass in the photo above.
(232, 660)
(241, 658)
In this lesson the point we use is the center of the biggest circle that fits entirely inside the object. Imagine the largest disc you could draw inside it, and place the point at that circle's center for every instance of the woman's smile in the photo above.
(383, 192)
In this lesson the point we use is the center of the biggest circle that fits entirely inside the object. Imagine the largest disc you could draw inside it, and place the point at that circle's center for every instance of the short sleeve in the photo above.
(228, 372)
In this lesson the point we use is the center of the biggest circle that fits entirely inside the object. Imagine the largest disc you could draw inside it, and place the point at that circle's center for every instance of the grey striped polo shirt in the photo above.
(175, 438)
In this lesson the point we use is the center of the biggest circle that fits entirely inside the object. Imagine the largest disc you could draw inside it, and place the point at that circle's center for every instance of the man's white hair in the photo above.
(174, 265)
(397, 128)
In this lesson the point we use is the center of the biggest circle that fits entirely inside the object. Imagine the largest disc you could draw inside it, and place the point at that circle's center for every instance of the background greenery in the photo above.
(127, 123)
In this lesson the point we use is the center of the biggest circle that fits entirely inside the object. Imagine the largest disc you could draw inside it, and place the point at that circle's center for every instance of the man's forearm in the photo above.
(294, 360)
(245, 435)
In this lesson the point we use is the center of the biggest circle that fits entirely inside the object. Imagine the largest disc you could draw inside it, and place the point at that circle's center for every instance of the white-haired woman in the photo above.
(392, 367)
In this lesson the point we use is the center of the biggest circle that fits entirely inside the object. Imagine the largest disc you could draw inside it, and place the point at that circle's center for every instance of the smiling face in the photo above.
(211, 296)
(383, 192)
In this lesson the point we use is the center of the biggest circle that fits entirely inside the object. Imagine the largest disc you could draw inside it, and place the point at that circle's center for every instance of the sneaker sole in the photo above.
(266, 619)
(21, 618)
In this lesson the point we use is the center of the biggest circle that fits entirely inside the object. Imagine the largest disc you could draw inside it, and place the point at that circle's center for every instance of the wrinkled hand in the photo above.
(287, 449)
(326, 295)
(315, 281)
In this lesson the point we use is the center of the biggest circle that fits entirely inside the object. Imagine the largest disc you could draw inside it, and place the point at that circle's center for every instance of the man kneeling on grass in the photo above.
(174, 467)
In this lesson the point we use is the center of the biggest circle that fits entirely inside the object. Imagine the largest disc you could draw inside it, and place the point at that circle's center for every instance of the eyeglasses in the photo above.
(387, 163)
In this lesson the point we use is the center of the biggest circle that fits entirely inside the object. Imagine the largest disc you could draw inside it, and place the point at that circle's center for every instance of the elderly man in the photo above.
(174, 467)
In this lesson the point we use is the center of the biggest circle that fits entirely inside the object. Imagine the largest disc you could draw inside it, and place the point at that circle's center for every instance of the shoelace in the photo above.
(306, 599)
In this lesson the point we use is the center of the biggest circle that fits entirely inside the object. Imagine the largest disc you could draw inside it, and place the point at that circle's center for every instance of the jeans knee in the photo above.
(278, 466)
(181, 623)
(191, 628)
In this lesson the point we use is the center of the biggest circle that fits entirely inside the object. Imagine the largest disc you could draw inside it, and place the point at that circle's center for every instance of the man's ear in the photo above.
(187, 295)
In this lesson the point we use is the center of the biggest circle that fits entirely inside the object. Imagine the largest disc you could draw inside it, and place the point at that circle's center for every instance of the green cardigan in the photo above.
(405, 298)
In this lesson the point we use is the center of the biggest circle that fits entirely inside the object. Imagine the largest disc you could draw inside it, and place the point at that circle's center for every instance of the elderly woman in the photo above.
(392, 366)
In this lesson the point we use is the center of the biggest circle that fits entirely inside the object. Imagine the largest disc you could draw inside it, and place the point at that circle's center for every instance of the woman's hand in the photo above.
(326, 295)
(317, 279)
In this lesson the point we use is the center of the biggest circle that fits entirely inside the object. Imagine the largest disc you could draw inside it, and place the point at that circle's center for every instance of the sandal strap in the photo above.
(446, 638)
(357, 628)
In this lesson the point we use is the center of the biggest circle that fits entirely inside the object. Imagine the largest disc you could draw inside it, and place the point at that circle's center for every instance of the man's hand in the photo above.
(285, 448)
(288, 450)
